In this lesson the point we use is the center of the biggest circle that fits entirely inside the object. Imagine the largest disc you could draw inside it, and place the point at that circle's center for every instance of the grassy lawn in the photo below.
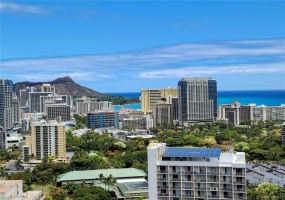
(46, 188)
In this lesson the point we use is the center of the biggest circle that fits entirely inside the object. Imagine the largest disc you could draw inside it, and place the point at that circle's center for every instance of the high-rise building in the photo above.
(16, 110)
(150, 97)
(6, 105)
(85, 104)
(35, 101)
(138, 122)
(197, 99)
(3, 139)
(262, 113)
(47, 139)
(162, 114)
(99, 119)
(58, 110)
(24, 96)
(195, 173)
(283, 132)
(235, 113)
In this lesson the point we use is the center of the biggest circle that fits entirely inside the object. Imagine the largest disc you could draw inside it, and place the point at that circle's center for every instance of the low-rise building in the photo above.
(130, 182)
(13, 190)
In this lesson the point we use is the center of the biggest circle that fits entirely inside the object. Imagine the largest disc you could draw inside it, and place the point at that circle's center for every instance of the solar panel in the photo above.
(192, 152)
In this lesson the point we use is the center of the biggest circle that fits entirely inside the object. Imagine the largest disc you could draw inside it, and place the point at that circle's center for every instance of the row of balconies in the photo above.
(202, 173)
(204, 188)
(202, 180)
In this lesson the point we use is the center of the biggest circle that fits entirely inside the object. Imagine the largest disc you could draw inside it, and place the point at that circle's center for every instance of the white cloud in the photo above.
(256, 68)
(22, 8)
(161, 62)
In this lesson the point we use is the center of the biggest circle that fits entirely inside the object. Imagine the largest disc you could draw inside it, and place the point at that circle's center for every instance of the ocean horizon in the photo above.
(245, 97)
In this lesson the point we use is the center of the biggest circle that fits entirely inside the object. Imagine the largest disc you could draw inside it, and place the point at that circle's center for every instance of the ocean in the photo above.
(259, 97)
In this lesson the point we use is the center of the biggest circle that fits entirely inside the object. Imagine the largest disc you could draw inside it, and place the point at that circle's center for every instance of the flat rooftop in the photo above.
(193, 152)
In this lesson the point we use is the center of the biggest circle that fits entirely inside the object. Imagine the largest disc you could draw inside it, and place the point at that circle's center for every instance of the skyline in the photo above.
(125, 46)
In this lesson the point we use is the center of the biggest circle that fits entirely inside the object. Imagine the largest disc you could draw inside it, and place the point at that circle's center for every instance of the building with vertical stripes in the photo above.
(46, 139)
(197, 99)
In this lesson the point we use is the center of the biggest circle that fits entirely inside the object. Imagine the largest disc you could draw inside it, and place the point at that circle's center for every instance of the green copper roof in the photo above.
(94, 174)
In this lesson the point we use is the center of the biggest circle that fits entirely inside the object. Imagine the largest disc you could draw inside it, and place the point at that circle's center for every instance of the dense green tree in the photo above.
(58, 193)
(97, 193)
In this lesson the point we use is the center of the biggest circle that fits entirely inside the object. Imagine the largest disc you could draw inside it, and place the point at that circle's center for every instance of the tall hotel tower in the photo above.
(6, 106)
(197, 99)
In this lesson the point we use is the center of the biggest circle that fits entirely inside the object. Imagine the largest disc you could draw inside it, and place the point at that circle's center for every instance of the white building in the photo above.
(195, 173)
(13, 189)
(263, 113)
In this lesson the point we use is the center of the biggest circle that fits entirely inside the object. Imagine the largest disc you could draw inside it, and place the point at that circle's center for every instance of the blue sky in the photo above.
(123, 46)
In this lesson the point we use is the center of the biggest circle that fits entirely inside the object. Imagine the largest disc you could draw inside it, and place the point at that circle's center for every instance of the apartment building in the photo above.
(6, 107)
(46, 139)
(195, 173)
(138, 122)
(99, 119)
(162, 114)
(58, 110)
(197, 99)
(16, 110)
(85, 104)
(262, 113)
(24, 96)
(150, 97)
(283, 132)
(235, 113)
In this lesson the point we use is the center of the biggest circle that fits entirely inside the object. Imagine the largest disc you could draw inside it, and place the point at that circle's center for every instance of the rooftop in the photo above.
(94, 174)
(193, 152)
(6, 185)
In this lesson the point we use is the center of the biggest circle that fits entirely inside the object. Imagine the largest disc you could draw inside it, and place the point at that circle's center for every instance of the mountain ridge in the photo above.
(63, 85)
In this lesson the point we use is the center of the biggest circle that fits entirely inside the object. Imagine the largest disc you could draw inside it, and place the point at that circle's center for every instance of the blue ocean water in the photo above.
(259, 97)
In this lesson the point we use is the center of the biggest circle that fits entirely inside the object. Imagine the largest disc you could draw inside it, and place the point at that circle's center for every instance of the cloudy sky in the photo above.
(123, 46)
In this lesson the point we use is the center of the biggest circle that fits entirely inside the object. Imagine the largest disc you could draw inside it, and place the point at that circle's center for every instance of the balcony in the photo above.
(225, 174)
(187, 172)
(213, 180)
(188, 195)
(162, 179)
(239, 182)
(175, 179)
(213, 188)
(163, 194)
(213, 173)
(239, 190)
(174, 172)
(176, 195)
(162, 186)
(239, 174)
(162, 172)
(213, 196)
(226, 189)
(226, 181)
(200, 188)
(175, 187)
(201, 172)
(188, 187)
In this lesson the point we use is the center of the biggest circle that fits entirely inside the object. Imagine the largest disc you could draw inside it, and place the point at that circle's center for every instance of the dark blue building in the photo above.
(101, 119)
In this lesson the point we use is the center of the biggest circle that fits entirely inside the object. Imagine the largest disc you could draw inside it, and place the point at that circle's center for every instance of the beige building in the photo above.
(150, 97)
(46, 139)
